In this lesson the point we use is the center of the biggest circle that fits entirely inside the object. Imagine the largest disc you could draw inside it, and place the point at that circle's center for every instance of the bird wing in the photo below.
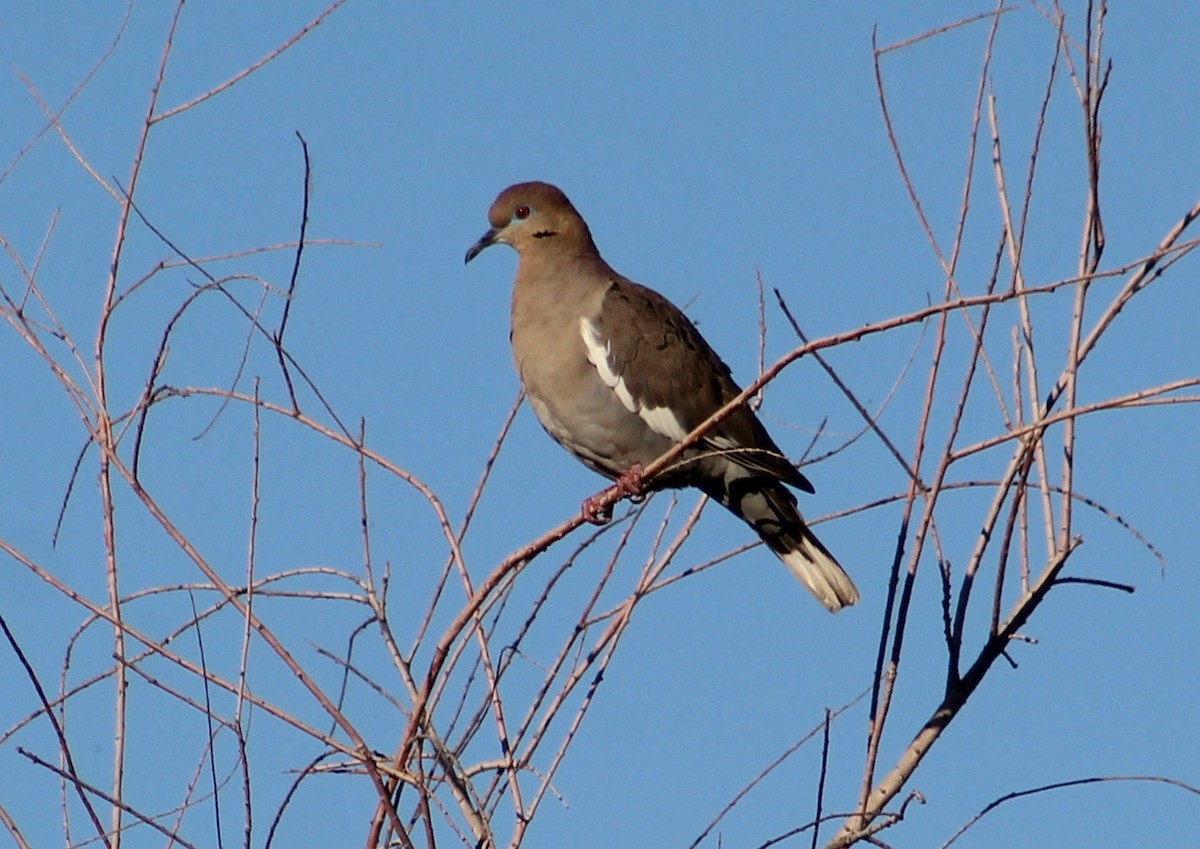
(660, 367)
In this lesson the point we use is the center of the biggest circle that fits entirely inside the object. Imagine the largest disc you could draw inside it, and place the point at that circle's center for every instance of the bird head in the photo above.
(533, 216)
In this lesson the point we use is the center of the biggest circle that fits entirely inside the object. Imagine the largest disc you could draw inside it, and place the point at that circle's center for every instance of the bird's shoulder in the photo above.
(665, 363)
(658, 350)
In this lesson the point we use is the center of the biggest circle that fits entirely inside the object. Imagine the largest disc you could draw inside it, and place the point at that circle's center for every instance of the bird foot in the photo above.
(594, 510)
(630, 485)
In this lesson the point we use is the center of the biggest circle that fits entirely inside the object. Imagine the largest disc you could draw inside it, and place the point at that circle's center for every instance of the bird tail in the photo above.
(817, 569)
(770, 509)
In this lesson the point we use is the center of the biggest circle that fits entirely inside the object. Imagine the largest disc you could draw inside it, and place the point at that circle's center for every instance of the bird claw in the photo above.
(595, 511)
(629, 485)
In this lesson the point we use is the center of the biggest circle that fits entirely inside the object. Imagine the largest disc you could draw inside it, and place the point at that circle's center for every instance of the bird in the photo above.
(617, 375)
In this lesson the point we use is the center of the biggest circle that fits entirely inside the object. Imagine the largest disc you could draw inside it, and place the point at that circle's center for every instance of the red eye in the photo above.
(522, 212)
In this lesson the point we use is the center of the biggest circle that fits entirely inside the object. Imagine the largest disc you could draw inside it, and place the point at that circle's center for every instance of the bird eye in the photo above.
(522, 212)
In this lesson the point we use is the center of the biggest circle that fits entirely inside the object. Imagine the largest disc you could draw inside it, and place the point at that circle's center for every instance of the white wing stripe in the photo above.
(661, 420)
(598, 351)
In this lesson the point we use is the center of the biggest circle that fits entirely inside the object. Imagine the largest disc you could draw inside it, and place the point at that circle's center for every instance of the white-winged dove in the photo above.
(618, 375)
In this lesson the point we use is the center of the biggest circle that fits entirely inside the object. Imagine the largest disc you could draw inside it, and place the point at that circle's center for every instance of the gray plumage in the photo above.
(617, 375)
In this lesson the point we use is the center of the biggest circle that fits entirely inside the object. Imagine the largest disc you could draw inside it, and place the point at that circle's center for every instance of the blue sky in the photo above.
(704, 145)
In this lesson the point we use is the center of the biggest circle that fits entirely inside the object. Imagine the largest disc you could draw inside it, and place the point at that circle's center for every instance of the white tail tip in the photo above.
(824, 576)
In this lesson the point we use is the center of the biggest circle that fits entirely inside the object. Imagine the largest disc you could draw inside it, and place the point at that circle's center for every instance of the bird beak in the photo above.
(486, 241)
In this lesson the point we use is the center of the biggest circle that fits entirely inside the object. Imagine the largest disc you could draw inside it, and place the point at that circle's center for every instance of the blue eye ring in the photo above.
(522, 212)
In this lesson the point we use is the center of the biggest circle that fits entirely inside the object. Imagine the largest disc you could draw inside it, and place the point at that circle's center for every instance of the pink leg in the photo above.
(630, 485)
(593, 511)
